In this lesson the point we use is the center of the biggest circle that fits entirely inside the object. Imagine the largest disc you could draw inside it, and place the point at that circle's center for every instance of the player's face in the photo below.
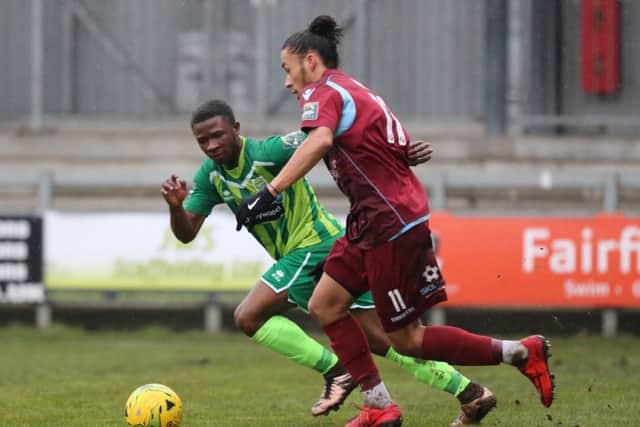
(297, 71)
(219, 140)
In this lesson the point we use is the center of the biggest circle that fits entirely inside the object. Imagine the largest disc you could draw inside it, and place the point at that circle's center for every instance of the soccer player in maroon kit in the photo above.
(365, 148)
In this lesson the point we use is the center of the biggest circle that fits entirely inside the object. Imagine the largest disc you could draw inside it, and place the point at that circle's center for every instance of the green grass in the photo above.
(68, 377)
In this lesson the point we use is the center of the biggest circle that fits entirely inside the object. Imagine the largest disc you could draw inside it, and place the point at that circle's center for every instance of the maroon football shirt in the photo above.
(368, 160)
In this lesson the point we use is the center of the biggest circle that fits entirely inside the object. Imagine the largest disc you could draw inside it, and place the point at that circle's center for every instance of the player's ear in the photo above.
(236, 128)
(311, 58)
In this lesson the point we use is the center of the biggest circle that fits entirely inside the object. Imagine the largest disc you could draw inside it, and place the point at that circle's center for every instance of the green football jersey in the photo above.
(304, 222)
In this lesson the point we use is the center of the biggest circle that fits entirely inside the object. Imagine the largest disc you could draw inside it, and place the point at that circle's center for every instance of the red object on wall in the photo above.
(600, 46)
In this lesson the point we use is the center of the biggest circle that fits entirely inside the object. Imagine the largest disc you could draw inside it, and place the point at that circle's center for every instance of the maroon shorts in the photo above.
(403, 275)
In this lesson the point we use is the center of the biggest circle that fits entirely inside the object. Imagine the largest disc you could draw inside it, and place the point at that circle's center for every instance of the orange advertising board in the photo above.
(539, 261)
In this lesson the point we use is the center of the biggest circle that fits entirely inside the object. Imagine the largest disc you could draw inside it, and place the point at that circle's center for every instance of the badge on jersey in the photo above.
(310, 111)
(227, 196)
(293, 139)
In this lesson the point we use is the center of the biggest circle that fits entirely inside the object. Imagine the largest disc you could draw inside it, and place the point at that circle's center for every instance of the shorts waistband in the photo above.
(409, 226)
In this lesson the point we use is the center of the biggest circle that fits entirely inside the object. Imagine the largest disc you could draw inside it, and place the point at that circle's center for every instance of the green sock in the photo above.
(285, 337)
(439, 375)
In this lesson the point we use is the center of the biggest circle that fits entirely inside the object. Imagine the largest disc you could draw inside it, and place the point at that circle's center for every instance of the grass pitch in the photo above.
(67, 377)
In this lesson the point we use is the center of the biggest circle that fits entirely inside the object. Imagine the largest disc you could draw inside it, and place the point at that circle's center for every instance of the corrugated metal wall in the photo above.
(14, 58)
(143, 34)
(140, 58)
(424, 57)
(146, 32)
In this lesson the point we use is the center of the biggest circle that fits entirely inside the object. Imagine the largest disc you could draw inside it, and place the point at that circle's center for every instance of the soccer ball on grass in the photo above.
(153, 405)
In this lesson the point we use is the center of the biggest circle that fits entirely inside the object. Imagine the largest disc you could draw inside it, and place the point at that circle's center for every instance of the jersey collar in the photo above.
(328, 72)
(236, 172)
(325, 75)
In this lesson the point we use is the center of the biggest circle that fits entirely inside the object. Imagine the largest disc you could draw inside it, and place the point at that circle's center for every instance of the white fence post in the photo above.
(43, 315)
(212, 317)
(437, 317)
(609, 323)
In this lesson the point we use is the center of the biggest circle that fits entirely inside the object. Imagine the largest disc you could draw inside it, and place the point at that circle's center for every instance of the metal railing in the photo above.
(440, 183)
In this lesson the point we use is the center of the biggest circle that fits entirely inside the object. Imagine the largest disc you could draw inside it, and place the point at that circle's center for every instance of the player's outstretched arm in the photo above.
(185, 225)
(257, 208)
(310, 152)
(419, 152)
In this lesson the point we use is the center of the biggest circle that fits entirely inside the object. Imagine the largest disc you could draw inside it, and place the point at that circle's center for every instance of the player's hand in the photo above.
(261, 207)
(174, 191)
(419, 152)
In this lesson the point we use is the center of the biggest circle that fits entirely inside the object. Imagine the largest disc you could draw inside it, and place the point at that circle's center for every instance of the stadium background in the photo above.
(532, 108)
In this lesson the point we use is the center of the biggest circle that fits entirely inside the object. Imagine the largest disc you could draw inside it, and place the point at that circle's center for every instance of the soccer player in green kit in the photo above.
(298, 234)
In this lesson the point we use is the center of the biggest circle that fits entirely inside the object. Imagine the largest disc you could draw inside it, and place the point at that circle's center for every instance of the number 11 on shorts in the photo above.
(396, 300)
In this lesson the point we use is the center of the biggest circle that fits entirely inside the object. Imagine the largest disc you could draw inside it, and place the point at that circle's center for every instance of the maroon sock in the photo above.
(459, 347)
(351, 346)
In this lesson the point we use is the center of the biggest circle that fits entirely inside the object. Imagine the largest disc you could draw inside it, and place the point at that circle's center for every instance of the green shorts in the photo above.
(292, 273)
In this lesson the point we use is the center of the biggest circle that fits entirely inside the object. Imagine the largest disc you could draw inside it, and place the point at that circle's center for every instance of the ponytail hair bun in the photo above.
(325, 26)
(323, 36)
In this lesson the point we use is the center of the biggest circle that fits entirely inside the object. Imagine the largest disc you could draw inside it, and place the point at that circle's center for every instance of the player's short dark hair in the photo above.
(211, 109)
(323, 35)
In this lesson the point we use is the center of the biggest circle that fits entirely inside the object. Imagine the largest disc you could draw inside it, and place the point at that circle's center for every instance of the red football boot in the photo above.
(373, 417)
(536, 367)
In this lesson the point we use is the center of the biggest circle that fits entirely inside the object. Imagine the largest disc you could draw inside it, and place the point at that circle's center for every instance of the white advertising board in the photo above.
(139, 251)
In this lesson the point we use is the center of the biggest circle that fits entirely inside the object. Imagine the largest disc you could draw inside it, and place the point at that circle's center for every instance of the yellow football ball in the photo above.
(153, 405)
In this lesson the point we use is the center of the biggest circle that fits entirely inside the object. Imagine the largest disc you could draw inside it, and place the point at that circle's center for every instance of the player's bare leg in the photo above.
(258, 306)
(258, 316)
(329, 305)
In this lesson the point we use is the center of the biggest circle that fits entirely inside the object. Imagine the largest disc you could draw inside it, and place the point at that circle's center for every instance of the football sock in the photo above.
(439, 375)
(351, 345)
(285, 337)
(459, 347)
(377, 397)
(513, 352)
